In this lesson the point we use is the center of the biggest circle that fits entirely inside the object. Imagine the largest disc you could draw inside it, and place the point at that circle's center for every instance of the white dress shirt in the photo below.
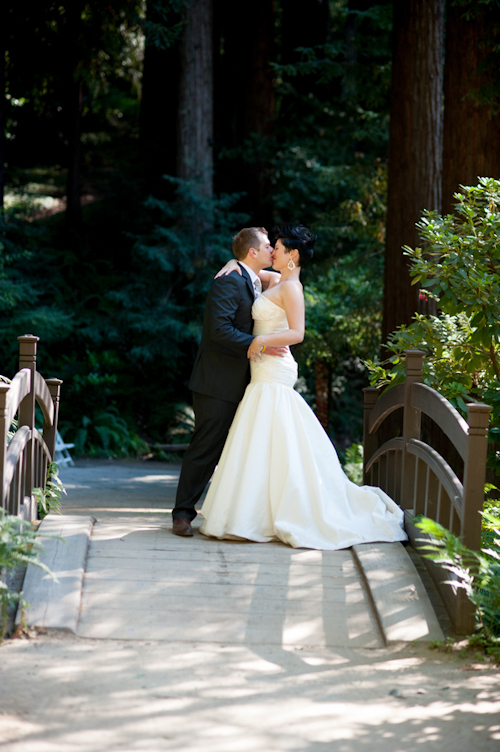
(257, 284)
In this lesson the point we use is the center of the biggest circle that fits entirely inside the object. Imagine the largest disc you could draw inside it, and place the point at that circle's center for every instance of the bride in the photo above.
(279, 477)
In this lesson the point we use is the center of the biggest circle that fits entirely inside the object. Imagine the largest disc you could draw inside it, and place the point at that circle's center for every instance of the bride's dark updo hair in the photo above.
(295, 236)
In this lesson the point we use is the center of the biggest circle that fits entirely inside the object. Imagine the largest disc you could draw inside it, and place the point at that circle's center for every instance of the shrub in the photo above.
(476, 572)
(18, 548)
(459, 268)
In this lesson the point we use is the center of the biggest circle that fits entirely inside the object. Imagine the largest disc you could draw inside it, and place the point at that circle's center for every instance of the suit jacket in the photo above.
(221, 368)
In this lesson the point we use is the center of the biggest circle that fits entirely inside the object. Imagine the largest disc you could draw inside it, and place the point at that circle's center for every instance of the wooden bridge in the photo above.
(417, 447)
(402, 461)
(25, 455)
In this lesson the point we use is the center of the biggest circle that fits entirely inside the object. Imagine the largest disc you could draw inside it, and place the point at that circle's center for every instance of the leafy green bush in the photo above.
(353, 465)
(49, 499)
(476, 572)
(108, 434)
(458, 267)
(18, 547)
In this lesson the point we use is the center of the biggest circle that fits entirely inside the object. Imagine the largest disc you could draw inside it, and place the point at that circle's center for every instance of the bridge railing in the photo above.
(416, 475)
(25, 458)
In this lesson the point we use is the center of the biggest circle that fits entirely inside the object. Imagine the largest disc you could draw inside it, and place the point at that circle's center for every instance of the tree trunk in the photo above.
(195, 123)
(244, 98)
(159, 108)
(351, 31)
(73, 186)
(3, 46)
(415, 148)
(471, 144)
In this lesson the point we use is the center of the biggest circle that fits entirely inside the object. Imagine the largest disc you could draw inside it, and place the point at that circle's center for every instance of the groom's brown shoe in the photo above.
(182, 526)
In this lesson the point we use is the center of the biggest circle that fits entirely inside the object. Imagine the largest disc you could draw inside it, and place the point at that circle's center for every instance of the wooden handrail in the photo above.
(16, 448)
(24, 461)
(19, 388)
(44, 399)
(441, 470)
(393, 445)
(418, 476)
(388, 402)
(442, 412)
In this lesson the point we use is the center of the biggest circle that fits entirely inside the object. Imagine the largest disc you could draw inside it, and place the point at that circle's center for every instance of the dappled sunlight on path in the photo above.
(88, 695)
(202, 645)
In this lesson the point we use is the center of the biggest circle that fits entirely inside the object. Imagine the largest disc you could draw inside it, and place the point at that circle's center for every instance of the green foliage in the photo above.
(458, 267)
(162, 24)
(49, 498)
(18, 547)
(119, 304)
(476, 572)
(353, 465)
(108, 434)
(27, 300)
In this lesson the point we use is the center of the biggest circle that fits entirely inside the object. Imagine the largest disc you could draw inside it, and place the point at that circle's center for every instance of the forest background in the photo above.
(137, 137)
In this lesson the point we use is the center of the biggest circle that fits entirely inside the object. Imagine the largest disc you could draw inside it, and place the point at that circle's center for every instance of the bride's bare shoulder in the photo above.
(292, 286)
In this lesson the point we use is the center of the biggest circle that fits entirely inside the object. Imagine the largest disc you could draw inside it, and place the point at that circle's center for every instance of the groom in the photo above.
(221, 370)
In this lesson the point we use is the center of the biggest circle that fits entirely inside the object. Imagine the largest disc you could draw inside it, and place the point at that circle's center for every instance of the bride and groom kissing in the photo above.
(277, 475)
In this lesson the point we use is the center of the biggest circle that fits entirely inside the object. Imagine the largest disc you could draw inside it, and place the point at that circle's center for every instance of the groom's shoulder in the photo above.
(228, 282)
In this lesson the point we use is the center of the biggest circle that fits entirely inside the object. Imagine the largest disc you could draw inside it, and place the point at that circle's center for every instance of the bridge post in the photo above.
(4, 390)
(369, 439)
(411, 426)
(50, 432)
(474, 473)
(27, 359)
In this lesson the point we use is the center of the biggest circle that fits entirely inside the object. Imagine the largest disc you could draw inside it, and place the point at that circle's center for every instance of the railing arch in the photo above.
(419, 479)
(24, 460)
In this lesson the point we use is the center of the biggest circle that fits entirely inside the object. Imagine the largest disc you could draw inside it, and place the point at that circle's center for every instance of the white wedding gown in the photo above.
(279, 476)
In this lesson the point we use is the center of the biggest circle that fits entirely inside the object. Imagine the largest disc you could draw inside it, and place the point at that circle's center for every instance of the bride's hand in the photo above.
(231, 266)
(255, 350)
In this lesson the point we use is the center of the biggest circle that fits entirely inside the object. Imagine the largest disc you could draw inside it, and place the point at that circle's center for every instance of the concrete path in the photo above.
(208, 646)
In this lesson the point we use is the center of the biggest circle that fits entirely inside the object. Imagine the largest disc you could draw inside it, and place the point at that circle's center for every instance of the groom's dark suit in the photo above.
(220, 375)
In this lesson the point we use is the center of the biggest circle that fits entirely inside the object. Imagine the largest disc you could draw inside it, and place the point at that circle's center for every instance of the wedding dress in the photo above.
(279, 476)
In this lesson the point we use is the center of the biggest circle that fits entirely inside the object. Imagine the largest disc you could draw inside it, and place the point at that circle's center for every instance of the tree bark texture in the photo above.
(195, 121)
(415, 148)
(244, 97)
(351, 31)
(3, 47)
(159, 108)
(471, 143)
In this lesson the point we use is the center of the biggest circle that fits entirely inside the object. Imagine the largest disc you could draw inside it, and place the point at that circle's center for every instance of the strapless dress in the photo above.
(279, 477)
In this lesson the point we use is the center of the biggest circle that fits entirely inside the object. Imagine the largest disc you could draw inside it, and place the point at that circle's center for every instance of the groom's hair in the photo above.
(247, 238)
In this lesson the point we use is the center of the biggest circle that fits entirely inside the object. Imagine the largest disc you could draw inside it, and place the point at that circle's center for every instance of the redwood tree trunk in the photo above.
(471, 144)
(195, 122)
(244, 97)
(159, 108)
(415, 147)
(3, 45)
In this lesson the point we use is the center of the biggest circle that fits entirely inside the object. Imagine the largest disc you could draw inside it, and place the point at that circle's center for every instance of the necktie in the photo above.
(257, 286)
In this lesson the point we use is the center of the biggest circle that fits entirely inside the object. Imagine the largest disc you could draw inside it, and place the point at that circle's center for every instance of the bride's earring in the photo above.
(291, 265)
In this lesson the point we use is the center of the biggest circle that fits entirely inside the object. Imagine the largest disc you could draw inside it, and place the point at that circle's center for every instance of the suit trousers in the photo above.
(213, 418)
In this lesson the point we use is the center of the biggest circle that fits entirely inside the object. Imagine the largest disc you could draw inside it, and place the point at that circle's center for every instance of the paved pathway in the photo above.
(201, 645)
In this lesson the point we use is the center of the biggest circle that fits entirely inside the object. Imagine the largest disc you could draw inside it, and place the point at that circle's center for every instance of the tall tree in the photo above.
(244, 98)
(3, 50)
(471, 143)
(415, 147)
(195, 119)
(158, 118)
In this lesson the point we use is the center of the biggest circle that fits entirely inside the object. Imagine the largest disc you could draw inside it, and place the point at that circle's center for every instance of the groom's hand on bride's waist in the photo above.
(277, 351)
